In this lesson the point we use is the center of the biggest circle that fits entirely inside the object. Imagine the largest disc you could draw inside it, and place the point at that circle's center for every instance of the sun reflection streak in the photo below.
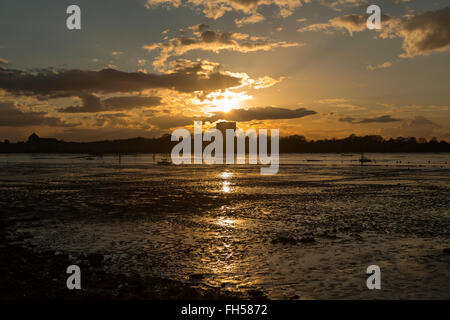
(226, 175)
(226, 187)
(225, 222)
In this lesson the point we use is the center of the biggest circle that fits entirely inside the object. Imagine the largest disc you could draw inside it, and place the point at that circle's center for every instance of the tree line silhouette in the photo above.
(289, 144)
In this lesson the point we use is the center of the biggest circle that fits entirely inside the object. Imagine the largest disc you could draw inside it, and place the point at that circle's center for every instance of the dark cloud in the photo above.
(11, 116)
(347, 119)
(424, 33)
(260, 113)
(214, 41)
(202, 27)
(381, 119)
(131, 102)
(92, 103)
(267, 113)
(76, 82)
(112, 120)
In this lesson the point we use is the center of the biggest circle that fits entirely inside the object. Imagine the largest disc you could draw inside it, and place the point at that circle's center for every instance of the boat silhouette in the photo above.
(364, 159)
(164, 162)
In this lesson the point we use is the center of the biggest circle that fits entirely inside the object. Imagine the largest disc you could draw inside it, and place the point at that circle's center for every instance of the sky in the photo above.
(146, 67)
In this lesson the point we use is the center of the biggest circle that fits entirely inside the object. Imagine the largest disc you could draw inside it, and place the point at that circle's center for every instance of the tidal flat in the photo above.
(143, 231)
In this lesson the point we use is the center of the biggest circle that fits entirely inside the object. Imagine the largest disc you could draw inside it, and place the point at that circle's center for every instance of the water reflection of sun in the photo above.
(226, 185)
(225, 222)
(226, 175)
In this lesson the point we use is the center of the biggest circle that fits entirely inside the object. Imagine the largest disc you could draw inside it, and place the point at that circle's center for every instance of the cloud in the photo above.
(111, 120)
(266, 82)
(11, 116)
(422, 33)
(347, 119)
(131, 102)
(208, 40)
(381, 119)
(385, 65)
(337, 4)
(260, 113)
(255, 18)
(417, 127)
(215, 9)
(199, 76)
(3, 61)
(332, 100)
(92, 103)
(141, 62)
(350, 23)
(421, 121)
(425, 33)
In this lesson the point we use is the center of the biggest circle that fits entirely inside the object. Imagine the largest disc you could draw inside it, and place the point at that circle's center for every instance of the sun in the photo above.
(224, 101)
(226, 104)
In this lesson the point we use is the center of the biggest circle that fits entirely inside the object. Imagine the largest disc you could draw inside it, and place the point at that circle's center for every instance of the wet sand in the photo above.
(143, 231)
(30, 274)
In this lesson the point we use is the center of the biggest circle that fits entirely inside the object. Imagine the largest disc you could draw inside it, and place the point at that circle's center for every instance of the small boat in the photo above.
(364, 159)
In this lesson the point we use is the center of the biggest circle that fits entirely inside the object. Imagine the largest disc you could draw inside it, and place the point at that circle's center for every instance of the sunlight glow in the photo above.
(223, 101)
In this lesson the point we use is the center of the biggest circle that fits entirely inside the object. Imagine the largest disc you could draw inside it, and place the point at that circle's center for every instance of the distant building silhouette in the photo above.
(35, 139)
(222, 127)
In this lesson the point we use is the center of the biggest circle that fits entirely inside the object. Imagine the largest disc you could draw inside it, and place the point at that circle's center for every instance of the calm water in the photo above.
(230, 227)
